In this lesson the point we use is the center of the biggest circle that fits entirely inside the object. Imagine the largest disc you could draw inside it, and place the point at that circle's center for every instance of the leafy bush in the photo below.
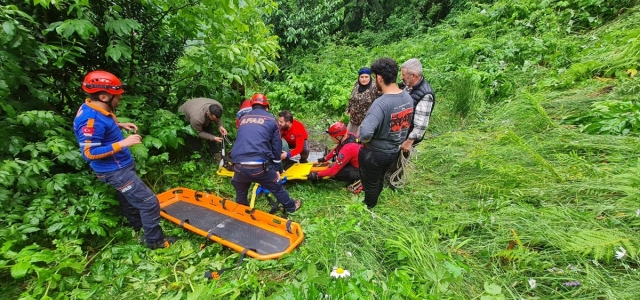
(609, 117)
(56, 269)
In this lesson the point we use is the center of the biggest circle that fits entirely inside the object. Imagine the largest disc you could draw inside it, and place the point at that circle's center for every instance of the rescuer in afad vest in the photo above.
(256, 155)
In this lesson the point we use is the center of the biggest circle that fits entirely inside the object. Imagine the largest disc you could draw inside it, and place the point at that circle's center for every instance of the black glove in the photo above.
(313, 176)
(321, 160)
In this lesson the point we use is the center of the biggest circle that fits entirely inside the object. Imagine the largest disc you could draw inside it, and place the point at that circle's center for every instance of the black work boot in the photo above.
(164, 243)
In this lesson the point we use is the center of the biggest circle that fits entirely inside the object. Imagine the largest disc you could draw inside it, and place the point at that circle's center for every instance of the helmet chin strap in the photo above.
(109, 102)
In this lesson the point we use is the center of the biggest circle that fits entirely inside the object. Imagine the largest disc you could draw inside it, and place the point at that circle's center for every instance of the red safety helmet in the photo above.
(260, 99)
(244, 108)
(336, 129)
(246, 104)
(102, 81)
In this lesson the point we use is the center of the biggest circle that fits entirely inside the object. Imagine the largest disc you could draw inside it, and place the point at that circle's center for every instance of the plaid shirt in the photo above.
(421, 115)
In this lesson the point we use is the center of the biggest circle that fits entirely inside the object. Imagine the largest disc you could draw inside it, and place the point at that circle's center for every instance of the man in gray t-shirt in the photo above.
(383, 129)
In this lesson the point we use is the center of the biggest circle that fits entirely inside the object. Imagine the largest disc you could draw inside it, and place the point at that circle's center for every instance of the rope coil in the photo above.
(399, 178)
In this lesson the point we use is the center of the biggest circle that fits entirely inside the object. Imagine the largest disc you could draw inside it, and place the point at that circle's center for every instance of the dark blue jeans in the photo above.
(243, 177)
(373, 166)
(137, 202)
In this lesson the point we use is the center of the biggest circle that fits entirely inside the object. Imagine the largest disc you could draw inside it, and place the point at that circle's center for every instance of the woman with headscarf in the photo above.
(363, 94)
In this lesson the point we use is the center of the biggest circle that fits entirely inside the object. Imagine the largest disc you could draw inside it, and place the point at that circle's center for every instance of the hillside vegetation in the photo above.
(528, 186)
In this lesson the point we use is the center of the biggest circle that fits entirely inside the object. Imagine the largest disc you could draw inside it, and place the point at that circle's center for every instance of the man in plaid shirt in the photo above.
(423, 101)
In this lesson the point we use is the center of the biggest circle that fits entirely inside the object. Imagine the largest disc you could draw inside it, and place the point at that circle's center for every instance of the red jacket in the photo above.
(295, 137)
(347, 154)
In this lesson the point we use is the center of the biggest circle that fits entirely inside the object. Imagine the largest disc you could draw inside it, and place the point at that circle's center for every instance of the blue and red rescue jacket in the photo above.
(98, 134)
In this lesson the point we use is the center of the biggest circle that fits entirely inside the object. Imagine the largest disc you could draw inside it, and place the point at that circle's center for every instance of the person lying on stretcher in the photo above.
(345, 155)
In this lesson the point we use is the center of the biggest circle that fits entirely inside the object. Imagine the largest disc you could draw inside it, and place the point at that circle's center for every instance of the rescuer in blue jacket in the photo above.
(102, 144)
(256, 154)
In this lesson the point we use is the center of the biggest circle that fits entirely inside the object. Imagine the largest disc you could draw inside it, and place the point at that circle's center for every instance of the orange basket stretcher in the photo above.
(241, 228)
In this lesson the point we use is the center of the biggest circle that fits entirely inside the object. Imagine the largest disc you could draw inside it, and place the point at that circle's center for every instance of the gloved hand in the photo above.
(313, 176)
(321, 160)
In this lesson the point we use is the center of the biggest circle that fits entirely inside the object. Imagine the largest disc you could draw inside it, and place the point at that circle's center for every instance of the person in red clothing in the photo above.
(244, 108)
(295, 135)
(345, 155)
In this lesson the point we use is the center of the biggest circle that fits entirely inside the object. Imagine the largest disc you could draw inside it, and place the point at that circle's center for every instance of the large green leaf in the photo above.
(84, 28)
(8, 27)
(20, 269)
(118, 49)
(122, 27)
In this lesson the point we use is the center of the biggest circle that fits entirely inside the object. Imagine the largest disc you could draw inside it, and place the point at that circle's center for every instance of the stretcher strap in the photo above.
(208, 239)
(250, 212)
(257, 189)
(223, 201)
(216, 274)
(182, 223)
(288, 226)
(274, 205)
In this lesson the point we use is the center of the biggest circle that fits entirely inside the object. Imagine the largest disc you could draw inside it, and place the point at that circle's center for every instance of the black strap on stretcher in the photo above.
(208, 240)
(288, 226)
(275, 205)
(216, 274)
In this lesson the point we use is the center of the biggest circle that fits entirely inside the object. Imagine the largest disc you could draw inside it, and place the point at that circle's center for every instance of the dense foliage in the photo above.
(165, 51)
(310, 24)
(526, 188)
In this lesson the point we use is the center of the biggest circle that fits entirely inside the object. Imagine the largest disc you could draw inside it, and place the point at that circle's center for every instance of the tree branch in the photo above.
(164, 14)
(172, 83)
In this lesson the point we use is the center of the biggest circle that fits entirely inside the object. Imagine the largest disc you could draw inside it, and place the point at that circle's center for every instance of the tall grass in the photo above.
(465, 94)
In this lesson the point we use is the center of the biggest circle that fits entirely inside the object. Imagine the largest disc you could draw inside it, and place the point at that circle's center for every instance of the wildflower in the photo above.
(349, 254)
(532, 283)
(556, 270)
(571, 283)
(340, 273)
(573, 268)
(638, 213)
(620, 254)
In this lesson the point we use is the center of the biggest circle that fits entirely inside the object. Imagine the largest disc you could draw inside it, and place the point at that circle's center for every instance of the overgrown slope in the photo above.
(511, 197)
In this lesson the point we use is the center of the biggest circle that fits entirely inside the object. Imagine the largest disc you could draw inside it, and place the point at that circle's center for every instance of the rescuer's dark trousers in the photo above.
(245, 175)
(137, 202)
